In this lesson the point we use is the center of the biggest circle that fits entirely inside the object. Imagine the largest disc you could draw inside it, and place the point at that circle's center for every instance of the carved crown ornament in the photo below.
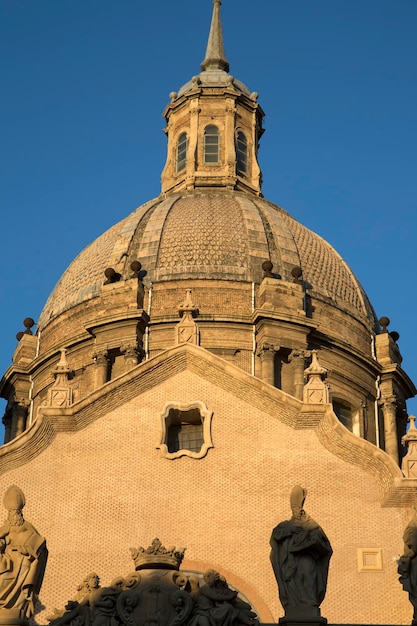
(157, 556)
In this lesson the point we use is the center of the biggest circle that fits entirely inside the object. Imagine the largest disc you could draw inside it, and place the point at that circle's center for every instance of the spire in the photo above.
(215, 58)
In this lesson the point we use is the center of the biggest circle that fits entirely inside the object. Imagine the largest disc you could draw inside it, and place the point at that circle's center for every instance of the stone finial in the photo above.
(409, 462)
(384, 322)
(297, 274)
(62, 366)
(316, 390)
(23, 556)
(267, 267)
(215, 58)
(28, 323)
(136, 266)
(187, 306)
(186, 331)
(61, 394)
(111, 276)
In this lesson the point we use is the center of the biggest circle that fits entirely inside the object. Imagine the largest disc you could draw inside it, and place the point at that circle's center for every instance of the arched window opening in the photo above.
(182, 152)
(344, 413)
(211, 144)
(241, 153)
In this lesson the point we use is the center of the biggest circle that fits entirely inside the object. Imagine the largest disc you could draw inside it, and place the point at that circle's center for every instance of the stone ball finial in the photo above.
(28, 322)
(395, 336)
(173, 95)
(384, 322)
(267, 267)
(111, 275)
(136, 266)
(296, 273)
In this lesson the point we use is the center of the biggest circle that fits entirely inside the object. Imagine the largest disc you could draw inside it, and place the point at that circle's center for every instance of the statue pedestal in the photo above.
(299, 618)
(12, 617)
(302, 621)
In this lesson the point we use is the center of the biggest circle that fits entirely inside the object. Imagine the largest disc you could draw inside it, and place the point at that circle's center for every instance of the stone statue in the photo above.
(218, 605)
(407, 564)
(23, 557)
(300, 559)
(93, 604)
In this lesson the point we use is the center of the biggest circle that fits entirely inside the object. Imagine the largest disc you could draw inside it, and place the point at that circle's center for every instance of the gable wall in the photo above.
(97, 492)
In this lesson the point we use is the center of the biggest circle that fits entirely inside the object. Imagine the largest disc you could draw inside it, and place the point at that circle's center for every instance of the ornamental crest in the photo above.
(156, 594)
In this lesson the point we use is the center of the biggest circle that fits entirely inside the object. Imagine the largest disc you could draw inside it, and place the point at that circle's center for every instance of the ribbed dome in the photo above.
(210, 235)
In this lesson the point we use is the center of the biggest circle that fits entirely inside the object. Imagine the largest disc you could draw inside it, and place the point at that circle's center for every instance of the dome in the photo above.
(198, 253)
(218, 235)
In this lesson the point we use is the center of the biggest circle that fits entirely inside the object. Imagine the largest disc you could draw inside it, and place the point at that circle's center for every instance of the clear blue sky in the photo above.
(84, 83)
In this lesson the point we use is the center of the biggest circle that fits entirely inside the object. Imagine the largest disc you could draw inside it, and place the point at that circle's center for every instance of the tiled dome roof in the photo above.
(211, 235)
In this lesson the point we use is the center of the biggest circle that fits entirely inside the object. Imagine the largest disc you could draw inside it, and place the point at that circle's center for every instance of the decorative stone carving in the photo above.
(157, 554)
(131, 356)
(300, 559)
(218, 605)
(23, 556)
(315, 390)
(157, 593)
(409, 462)
(60, 394)
(92, 604)
(407, 564)
(186, 331)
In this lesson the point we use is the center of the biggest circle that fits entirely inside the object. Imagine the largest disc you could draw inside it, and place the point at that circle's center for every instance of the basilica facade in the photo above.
(196, 362)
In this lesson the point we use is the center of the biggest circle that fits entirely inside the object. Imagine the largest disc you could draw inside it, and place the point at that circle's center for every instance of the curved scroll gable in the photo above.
(357, 451)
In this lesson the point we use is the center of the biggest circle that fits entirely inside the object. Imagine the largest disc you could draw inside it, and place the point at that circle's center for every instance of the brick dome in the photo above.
(219, 235)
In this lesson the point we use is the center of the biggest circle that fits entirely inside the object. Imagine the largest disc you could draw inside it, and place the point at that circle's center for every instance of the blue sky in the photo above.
(84, 83)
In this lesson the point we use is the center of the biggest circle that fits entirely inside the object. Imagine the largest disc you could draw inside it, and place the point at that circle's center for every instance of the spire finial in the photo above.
(215, 58)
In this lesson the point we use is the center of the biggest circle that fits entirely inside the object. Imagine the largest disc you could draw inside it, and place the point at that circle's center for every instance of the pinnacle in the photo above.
(215, 58)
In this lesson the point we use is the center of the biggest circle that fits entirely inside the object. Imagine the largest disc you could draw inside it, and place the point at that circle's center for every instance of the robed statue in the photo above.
(407, 564)
(300, 559)
(23, 556)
